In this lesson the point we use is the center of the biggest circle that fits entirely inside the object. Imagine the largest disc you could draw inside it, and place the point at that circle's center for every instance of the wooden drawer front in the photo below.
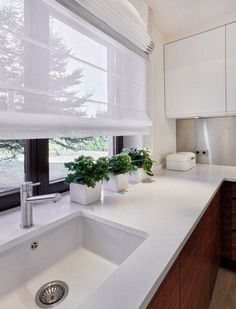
(226, 219)
(195, 270)
(234, 246)
(167, 296)
(215, 240)
(190, 282)
(234, 214)
(226, 243)
(226, 194)
(233, 189)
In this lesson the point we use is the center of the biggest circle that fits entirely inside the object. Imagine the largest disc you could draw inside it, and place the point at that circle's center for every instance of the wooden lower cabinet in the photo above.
(214, 229)
(199, 260)
(226, 219)
(234, 214)
(167, 296)
(190, 282)
(228, 229)
(234, 246)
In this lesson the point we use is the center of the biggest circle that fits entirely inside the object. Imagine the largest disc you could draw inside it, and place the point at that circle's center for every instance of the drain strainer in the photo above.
(51, 294)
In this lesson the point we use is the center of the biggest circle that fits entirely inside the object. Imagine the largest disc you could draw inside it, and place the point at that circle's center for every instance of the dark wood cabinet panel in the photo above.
(226, 192)
(234, 246)
(226, 219)
(228, 223)
(215, 239)
(195, 269)
(200, 260)
(191, 280)
(167, 296)
(233, 188)
(234, 214)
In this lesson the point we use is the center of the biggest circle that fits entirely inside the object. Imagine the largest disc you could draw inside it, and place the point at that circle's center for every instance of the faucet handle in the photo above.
(27, 185)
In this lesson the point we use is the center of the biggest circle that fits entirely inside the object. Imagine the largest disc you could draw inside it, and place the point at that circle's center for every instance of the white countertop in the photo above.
(167, 208)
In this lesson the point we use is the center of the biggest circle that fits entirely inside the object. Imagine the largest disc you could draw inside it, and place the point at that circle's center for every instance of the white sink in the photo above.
(82, 252)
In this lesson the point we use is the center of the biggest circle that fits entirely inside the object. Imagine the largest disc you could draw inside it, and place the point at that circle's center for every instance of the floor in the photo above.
(224, 296)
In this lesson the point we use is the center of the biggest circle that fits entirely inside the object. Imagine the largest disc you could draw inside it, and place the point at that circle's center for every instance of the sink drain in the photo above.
(51, 294)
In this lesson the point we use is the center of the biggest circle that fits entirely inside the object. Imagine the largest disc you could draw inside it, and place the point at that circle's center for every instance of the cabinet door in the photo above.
(195, 271)
(195, 75)
(168, 294)
(214, 232)
(234, 246)
(226, 219)
(231, 67)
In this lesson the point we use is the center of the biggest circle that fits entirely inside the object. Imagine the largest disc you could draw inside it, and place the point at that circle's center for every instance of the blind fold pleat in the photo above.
(60, 76)
(121, 16)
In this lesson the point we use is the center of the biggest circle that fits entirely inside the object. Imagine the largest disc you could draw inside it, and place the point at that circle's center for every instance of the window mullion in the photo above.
(31, 160)
(43, 165)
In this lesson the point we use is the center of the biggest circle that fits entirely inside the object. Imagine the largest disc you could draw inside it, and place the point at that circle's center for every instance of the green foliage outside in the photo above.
(87, 171)
(141, 158)
(120, 164)
(11, 149)
(59, 145)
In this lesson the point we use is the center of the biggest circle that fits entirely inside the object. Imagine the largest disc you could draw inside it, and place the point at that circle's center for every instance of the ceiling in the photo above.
(178, 18)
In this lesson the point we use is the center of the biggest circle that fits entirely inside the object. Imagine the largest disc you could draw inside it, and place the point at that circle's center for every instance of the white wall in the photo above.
(163, 135)
(163, 138)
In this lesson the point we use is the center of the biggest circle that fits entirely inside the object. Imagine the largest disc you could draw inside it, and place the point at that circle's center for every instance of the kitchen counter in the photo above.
(167, 208)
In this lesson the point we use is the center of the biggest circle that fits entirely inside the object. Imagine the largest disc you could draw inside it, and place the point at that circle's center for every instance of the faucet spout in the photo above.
(44, 198)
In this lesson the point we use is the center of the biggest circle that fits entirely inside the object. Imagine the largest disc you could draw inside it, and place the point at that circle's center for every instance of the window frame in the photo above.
(36, 167)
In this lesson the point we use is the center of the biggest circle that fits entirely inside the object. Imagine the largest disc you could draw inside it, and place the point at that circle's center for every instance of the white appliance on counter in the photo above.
(181, 161)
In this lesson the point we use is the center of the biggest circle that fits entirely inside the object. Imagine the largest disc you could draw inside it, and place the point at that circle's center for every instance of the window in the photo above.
(60, 76)
(12, 171)
(66, 149)
(43, 160)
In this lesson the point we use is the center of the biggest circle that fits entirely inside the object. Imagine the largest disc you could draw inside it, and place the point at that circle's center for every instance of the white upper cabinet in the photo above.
(231, 67)
(195, 75)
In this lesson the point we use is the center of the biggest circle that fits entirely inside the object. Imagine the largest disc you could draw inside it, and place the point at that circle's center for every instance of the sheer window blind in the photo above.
(124, 18)
(60, 76)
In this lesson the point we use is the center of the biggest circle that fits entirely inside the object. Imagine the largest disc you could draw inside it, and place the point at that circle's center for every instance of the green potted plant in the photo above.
(85, 177)
(119, 166)
(142, 162)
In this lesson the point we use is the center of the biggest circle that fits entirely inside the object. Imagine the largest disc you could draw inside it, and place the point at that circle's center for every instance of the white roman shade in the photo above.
(123, 17)
(60, 76)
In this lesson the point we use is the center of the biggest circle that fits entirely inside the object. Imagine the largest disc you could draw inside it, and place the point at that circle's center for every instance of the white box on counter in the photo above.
(181, 161)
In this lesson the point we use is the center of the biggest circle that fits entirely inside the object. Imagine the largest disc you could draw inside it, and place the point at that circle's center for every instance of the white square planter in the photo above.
(138, 176)
(85, 195)
(117, 183)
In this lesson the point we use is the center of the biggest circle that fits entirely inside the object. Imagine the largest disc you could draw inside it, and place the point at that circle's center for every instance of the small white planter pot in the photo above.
(138, 176)
(117, 183)
(85, 195)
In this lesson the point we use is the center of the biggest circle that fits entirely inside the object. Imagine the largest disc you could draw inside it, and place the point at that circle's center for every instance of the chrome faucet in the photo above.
(27, 200)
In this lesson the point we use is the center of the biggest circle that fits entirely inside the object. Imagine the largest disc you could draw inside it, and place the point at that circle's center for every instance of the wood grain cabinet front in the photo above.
(227, 190)
(191, 280)
(228, 222)
(234, 246)
(234, 213)
(199, 260)
(167, 296)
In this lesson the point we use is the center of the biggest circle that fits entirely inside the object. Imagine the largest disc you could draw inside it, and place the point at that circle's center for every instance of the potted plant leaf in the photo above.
(119, 166)
(142, 162)
(85, 177)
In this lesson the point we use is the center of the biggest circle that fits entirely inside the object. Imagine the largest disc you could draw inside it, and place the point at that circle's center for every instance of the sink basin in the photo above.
(82, 252)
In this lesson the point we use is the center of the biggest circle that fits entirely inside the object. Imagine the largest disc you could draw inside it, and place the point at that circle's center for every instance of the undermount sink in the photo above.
(83, 253)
